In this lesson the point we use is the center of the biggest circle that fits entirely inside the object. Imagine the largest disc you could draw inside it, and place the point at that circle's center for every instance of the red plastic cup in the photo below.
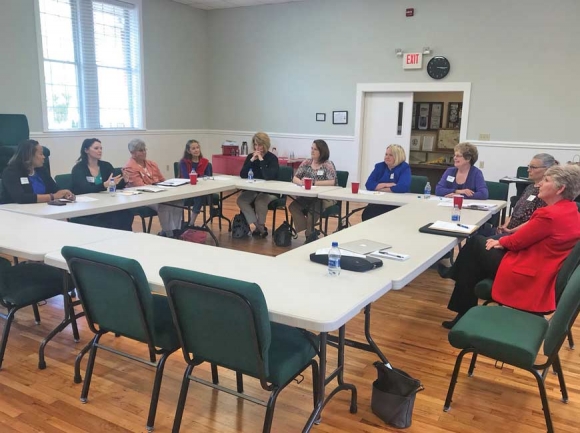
(193, 178)
(355, 186)
(307, 183)
(458, 201)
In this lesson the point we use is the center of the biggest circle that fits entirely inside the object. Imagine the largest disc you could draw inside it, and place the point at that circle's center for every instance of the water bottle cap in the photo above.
(335, 244)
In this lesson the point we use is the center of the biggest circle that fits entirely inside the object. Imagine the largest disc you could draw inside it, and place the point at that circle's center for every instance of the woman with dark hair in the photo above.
(193, 160)
(464, 178)
(306, 211)
(91, 174)
(25, 180)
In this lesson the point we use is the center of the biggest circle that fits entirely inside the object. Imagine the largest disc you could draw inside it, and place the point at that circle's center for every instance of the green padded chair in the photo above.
(515, 337)
(522, 172)
(25, 285)
(142, 212)
(64, 181)
(497, 191)
(334, 211)
(285, 174)
(418, 184)
(116, 298)
(483, 288)
(225, 322)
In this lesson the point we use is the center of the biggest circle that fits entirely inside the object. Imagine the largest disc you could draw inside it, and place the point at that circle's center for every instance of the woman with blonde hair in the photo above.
(391, 175)
(264, 165)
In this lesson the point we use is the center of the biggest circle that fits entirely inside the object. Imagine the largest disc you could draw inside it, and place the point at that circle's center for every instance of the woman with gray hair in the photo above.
(141, 172)
(524, 264)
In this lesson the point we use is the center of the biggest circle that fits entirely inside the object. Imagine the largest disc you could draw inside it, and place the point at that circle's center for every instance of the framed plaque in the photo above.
(448, 139)
(436, 115)
(454, 115)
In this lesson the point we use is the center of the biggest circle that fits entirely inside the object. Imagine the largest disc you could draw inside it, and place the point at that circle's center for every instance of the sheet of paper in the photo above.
(83, 199)
(479, 206)
(453, 227)
(364, 191)
(150, 188)
(323, 251)
(128, 192)
(443, 199)
(381, 254)
(221, 178)
(173, 182)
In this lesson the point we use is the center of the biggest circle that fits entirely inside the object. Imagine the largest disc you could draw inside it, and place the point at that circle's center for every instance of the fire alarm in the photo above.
(409, 12)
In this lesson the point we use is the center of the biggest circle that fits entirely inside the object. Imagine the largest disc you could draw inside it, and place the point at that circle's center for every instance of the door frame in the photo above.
(363, 88)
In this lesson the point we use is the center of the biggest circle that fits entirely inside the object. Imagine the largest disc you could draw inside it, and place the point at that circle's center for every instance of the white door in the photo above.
(386, 120)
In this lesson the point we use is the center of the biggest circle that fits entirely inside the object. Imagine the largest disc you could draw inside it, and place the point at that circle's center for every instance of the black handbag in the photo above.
(283, 235)
(393, 395)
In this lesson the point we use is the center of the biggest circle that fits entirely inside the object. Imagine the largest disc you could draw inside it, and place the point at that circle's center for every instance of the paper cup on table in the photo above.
(193, 178)
(307, 183)
(354, 187)
(458, 201)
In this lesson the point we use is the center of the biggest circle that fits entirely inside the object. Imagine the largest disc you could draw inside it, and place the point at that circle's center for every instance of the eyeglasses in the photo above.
(533, 167)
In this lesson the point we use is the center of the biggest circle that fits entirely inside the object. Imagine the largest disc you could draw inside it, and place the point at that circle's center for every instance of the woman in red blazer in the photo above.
(523, 265)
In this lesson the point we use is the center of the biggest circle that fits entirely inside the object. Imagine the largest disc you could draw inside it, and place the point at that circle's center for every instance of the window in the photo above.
(91, 60)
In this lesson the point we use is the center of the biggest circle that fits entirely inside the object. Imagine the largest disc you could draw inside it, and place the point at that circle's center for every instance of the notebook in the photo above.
(363, 246)
(173, 182)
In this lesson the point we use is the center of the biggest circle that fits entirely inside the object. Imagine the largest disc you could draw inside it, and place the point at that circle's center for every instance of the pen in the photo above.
(398, 256)
(463, 226)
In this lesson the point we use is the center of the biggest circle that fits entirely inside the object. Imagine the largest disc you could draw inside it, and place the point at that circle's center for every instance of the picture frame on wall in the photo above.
(454, 111)
(423, 120)
(340, 117)
(436, 115)
(415, 142)
(448, 139)
(428, 142)
(321, 117)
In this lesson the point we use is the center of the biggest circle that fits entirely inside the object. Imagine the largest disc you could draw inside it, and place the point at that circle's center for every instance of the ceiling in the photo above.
(224, 4)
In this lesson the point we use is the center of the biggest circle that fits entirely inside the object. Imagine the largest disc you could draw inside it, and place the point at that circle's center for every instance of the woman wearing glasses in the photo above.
(464, 177)
(141, 171)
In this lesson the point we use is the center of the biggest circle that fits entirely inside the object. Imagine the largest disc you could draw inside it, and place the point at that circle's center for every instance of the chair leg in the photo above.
(36, 313)
(240, 382)
(453, 382)
(90, 366)
(143, 225)
(6, 333)
(326, 227)
(270, 410)
(214, 374)
(315, 390)
(570, 339)
(544, 397)
(182, 398)
(560, 373)
(472, 364)
(150, 224)
(156, 390)
(77, 377)
(73, 319)
(274, 221)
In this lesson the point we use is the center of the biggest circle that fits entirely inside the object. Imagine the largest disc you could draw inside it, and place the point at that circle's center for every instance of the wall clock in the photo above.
(438, 67)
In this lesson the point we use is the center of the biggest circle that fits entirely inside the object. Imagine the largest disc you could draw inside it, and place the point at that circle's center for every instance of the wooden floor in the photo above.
(406, 325)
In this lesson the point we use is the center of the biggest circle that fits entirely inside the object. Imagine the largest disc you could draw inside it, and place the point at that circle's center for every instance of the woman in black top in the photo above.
(91, 174)
(25, 180)
(264, 164)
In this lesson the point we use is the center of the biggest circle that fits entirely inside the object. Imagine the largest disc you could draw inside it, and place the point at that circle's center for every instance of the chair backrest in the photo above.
(522, 171)
(497, 190)
(342, 178)
(219, 320)
(176, 173)
(418, 184)
(566, 311)
(566, 271)
(285, 173)
(114, 293)
(63, 181)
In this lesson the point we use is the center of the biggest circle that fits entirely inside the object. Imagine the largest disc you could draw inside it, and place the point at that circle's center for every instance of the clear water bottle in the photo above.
(334, 260)
(112, 187)
(427, 193)
(456, 214)
(250, 175)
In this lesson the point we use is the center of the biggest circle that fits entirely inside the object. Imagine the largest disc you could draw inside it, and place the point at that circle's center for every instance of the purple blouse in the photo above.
(475, 182)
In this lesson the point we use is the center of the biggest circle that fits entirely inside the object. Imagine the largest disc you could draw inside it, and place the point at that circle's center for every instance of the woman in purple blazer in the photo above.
(463, 178)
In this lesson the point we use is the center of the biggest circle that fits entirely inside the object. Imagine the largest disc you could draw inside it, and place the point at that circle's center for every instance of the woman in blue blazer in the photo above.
(391, 175)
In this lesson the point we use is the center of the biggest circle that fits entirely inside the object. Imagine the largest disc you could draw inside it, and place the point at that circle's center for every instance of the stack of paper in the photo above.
(173, 182)
(453, 227)
(150, 188)
(480, 206)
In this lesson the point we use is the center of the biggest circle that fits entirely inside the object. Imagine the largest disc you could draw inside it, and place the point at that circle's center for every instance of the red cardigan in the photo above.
(526, 278)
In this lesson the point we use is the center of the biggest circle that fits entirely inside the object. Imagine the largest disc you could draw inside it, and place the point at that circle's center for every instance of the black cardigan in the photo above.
(80, 172)
(14, 191)
(266, 169)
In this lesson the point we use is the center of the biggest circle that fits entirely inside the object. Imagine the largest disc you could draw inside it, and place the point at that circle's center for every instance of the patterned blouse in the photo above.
(327, 171)
(526, 206)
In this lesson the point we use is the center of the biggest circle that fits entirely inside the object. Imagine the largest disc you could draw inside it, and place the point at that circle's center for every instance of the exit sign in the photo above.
(412, 60)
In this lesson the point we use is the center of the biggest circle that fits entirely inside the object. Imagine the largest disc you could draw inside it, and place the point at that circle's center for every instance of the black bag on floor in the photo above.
(283, 235)
(240, 226)
(393, 395)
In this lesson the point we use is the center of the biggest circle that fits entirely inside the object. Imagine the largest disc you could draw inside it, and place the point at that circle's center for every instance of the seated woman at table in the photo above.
(193, 160)
(524, 264)
(264, 164)
(91, 174)
(391, 175)
(305, 210)
(25, 180)
(464, 178)
(141, 171)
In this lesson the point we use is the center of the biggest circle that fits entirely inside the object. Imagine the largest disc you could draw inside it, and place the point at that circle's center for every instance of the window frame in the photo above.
(141, 85)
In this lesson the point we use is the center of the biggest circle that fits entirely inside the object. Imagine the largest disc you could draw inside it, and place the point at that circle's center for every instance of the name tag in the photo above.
(319, 172)
(392, 176)
(24, 181)
(531, 198)
(450, 178)
(90, 179)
